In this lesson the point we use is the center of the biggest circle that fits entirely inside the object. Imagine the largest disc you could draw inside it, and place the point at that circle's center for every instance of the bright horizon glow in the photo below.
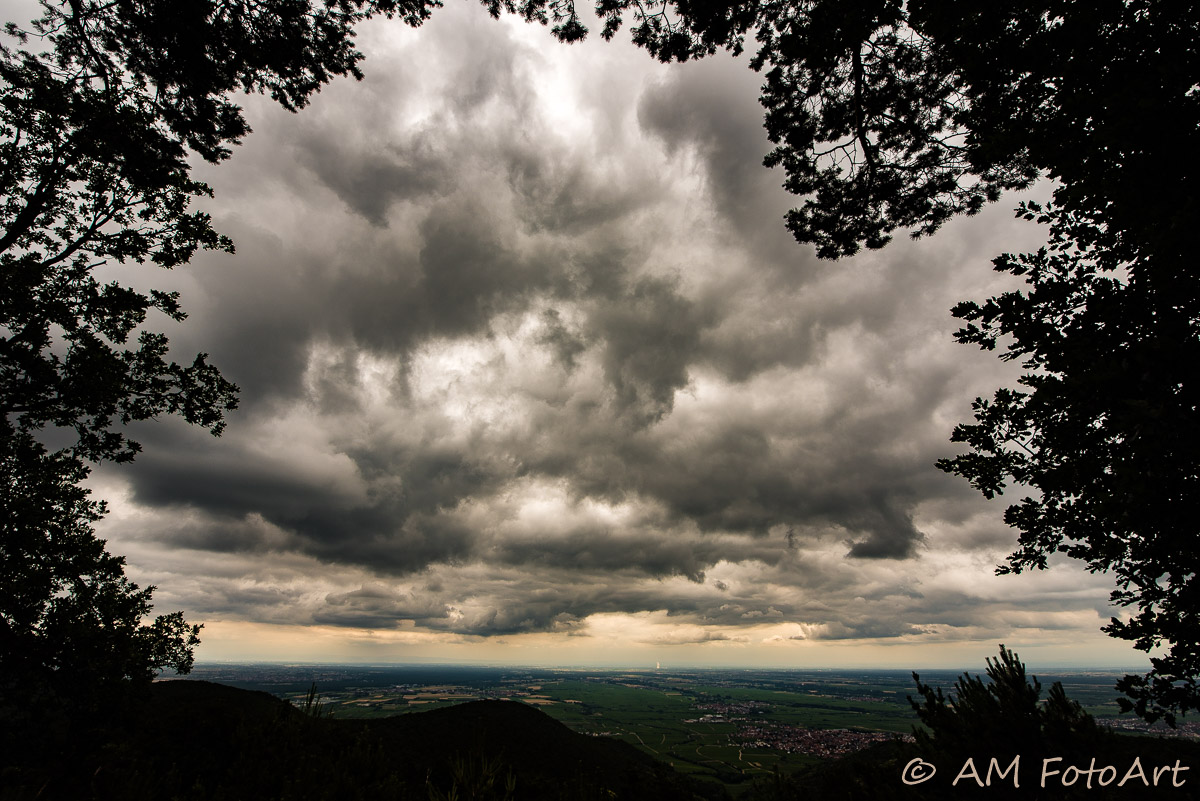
(255, 643)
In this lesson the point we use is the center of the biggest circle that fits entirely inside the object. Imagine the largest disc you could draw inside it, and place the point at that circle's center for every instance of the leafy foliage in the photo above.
(1003, 715)
(1003, 722)
(869, 114)
(101, 105)
(73, 201)
(894, 115)
(74, 641)
(1107, 434)
(95, 133)
(1109, 328)
(978, 729)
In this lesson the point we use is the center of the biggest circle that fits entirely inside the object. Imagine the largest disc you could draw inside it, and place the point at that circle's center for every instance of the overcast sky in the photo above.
(532, 372)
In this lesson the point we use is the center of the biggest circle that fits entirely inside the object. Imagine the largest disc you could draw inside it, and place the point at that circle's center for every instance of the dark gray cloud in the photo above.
(711, 109)
(650, 336)
(524, 344)
(371, 181)
(380, 607)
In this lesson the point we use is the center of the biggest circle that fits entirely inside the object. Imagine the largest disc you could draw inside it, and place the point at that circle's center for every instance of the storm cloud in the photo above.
(524, 345)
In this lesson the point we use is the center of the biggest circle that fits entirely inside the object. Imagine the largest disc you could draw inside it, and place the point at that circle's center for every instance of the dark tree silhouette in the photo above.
(1000, 738)
(95, 131)
(101, 104)
(1106, 430)
(72, 636)
(889, 115)
(1003, 716)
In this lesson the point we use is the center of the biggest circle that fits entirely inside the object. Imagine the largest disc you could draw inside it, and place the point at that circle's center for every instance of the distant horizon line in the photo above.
(641, 667)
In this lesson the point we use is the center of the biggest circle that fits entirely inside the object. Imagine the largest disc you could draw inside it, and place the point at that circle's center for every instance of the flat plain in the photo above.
(726, 725)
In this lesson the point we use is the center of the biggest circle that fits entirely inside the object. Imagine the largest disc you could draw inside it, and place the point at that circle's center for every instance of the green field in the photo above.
(666, 722)
(693, 726)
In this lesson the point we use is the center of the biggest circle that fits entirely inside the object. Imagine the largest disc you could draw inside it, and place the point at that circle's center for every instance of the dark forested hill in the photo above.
(199, 740)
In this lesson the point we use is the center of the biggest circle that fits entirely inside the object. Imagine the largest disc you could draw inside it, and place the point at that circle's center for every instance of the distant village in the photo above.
(1184, 730)
(825, 743)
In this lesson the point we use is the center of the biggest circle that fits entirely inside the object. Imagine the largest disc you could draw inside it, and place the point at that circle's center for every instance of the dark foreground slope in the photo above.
(198, 740)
